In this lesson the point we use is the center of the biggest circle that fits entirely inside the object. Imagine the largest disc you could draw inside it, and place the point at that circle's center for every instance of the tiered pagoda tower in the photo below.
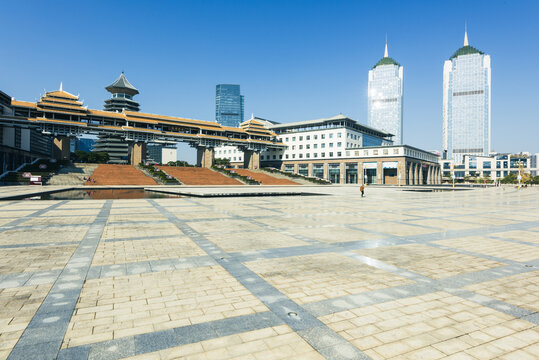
(122, 96)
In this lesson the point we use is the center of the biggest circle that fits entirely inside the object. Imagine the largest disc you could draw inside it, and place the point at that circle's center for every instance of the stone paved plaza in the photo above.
(397, 274)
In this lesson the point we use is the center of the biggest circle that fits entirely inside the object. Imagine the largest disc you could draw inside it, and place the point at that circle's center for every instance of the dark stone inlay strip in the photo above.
(46, 330)
(140, 267)
(32, 215)
(498, 305)
(59, 243)
(279, 304)
(165, 339)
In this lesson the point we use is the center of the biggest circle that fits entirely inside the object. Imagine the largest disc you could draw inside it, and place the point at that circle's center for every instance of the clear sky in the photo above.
(294, 60)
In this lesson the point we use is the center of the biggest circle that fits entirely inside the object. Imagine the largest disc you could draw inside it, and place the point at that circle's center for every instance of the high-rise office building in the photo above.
(228, 105)
(466, 103)
(385, 97)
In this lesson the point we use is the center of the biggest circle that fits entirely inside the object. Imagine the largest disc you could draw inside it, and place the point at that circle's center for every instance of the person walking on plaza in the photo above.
(362, 188)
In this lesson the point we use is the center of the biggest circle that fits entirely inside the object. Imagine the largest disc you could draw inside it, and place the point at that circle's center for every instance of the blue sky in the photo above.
(294, 60)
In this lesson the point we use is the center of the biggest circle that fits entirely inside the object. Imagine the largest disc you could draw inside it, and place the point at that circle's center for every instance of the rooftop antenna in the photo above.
(465, 34)
(385, 52)
(61, 86)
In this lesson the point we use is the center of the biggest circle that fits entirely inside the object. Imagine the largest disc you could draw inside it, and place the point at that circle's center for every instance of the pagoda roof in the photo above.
(121, 85)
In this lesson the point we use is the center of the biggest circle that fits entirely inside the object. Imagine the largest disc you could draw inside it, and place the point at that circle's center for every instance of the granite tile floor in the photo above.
(394, 275)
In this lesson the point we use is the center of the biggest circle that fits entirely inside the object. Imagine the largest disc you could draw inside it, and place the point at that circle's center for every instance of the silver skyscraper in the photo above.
(466, 103)
(385, 97)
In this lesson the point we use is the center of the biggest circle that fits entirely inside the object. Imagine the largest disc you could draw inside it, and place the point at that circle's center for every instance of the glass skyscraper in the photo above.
(466, 103)
(228, 105)
(385, 97)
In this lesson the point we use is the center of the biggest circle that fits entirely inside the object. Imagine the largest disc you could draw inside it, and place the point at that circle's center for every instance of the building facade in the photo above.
(387, 165)
(325, 138)
(161, 154)
(385, 97)
(466, 104)
(19, 145)
(494, 167)
(343, 151)
(229, 105)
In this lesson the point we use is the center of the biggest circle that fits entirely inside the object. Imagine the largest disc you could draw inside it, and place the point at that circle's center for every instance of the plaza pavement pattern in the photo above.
(396, 274)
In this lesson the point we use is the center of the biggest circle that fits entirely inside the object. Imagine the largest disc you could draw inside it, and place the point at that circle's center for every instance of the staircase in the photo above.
(73, 174)
(198, 176)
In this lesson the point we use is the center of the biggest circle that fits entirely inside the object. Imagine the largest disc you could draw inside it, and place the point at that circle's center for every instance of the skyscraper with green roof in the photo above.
(385, 97)
(466, 103)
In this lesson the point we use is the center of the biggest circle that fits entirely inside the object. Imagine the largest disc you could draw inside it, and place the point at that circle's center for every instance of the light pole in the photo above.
(453, 174)
(519, 177)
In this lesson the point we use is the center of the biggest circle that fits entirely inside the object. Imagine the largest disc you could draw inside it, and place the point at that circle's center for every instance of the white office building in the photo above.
(466, 103)
(385, 97)
(325, 138)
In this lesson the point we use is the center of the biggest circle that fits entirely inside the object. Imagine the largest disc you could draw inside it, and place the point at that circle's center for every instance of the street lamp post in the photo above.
(519, 177)
(453, 174)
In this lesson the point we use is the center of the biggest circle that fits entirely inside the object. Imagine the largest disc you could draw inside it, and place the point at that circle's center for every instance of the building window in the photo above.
(446, 165)
(301, 147)
(308, 155)
(293, 156)
(274, 157)
(395, 151)
(307, 137)
(280, 157)
(301, 156)
(331, 135)
(375, 152)
(262, 157)
(338, 135)
(293, 138)
(356, 153)
(386, 151)
(339, 154)
(486, 165)
(323, 136)
(323, 145)
(308, 146)
(330, 154)
(330, 144)
(286, 139)
(300, 138)
(315, 155)
(323, 155)
(315, 137)
(293, 147)
(286, 156)
(365, 152)
(315, 146)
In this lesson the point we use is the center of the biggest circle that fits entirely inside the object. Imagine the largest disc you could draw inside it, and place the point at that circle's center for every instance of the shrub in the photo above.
(246, 179)
(294, 175)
